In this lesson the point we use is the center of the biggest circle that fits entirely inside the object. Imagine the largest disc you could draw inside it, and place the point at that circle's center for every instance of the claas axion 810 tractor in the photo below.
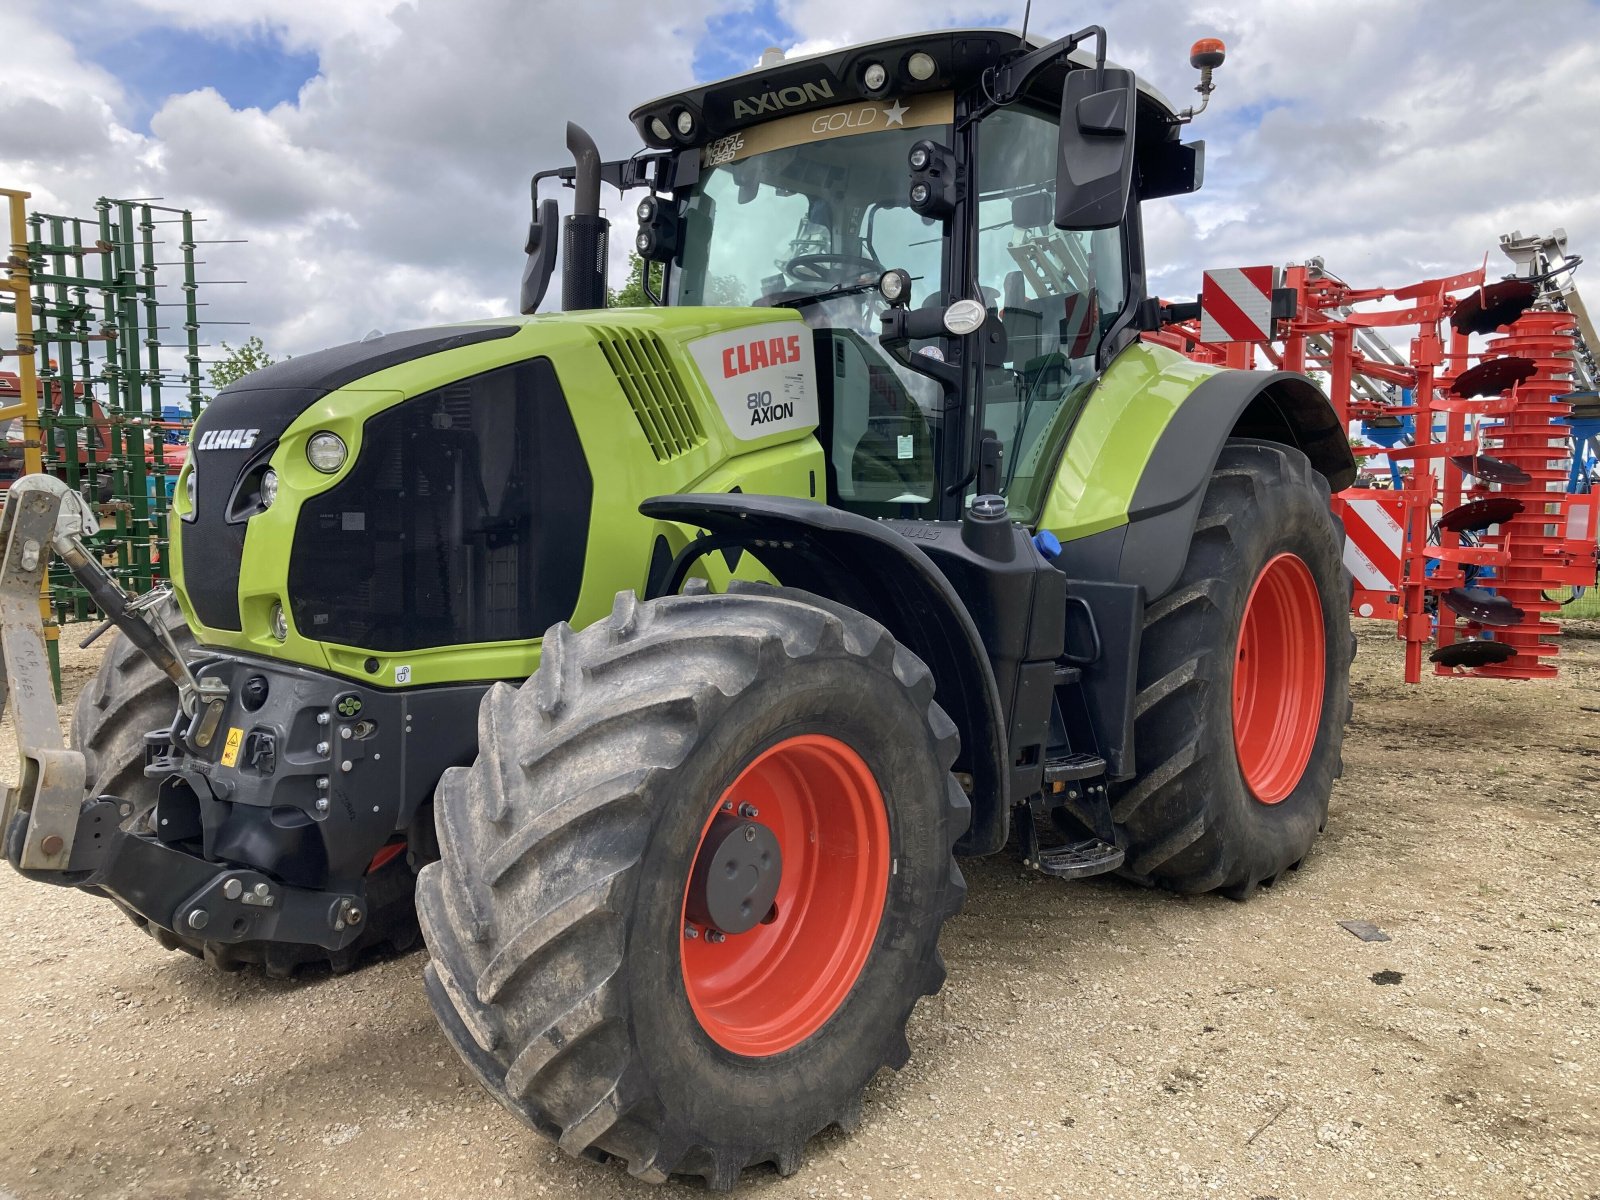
(670, 658)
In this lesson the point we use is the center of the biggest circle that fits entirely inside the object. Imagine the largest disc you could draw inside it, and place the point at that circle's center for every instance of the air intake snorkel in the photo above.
(584, 239)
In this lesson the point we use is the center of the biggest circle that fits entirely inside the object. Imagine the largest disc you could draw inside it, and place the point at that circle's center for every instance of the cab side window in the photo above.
(1054, 291)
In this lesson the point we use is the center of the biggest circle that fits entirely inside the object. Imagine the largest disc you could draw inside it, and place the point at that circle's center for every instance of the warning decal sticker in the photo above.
(230, 748)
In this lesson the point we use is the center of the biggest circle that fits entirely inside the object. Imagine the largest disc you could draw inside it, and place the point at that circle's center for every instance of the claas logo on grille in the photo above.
(227, 439)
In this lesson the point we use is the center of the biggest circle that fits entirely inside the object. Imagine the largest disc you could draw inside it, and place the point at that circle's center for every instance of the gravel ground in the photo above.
(1093, 1039)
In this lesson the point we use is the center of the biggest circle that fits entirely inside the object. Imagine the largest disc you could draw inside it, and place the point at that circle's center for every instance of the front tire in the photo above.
(128, 697)
(1244, 684)
(573, 966)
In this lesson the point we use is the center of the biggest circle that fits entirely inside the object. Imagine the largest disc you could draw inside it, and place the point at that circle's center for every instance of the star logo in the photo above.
(896, 114)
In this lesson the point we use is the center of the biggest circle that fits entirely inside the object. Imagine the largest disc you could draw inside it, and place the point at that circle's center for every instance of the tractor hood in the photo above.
(253, 412)
(483, 484)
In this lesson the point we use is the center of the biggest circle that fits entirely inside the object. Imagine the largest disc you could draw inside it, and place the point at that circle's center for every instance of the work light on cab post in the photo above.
(895, 286)
(657, 240)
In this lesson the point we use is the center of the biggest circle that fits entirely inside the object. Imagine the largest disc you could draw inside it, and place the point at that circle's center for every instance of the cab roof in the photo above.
(835, 77)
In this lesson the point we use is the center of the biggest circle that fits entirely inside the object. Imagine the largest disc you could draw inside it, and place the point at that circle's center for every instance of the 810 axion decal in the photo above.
(762, 377)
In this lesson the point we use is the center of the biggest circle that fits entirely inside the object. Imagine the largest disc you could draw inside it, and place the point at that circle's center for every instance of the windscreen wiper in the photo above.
(838, 289)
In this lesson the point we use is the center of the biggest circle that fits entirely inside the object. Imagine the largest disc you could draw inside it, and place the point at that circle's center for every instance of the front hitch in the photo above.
(50, 784)
(40, 816)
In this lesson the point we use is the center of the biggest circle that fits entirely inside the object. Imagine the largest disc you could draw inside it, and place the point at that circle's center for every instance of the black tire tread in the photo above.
(524, 914)
(1163, 812)
(128, 697)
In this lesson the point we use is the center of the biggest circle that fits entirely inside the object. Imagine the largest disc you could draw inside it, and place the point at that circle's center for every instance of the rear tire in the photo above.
(129, 697)
(1237, 756)
(556, 916)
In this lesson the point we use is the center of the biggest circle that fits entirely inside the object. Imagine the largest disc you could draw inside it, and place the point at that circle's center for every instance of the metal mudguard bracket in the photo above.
(51, 778)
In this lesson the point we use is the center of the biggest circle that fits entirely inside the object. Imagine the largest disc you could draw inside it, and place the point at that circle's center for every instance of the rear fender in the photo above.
(876, 571)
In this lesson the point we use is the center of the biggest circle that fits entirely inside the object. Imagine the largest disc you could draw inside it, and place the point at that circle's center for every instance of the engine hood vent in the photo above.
(649, 378)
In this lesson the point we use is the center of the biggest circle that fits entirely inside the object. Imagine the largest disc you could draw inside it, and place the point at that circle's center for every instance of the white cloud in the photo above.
(392, 191)
(55, 111)
(302, 24)
(1397, 140)
(246, 164)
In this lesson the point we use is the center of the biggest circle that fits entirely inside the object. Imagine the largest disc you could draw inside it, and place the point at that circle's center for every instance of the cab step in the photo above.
(1069, 767)
(1077, 860)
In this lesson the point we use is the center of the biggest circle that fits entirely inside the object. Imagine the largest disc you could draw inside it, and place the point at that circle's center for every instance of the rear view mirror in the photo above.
(1094, 160)
(541, 251)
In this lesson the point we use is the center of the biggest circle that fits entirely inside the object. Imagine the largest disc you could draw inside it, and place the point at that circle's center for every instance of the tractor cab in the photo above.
(944, 159)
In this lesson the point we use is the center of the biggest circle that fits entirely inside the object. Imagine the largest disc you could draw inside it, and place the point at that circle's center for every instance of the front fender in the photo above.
(876, 571)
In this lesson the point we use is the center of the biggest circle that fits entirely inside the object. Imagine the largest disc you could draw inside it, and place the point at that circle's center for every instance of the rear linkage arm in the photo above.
(43, 514)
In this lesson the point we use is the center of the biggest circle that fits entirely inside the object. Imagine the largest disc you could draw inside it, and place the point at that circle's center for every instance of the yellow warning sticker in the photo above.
(230, 751)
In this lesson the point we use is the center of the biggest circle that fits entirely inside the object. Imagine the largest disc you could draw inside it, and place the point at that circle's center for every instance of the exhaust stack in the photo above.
(586, 232)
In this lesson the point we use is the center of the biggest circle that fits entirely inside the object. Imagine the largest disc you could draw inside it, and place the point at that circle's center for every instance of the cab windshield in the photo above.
(790, 225)
(803, 209)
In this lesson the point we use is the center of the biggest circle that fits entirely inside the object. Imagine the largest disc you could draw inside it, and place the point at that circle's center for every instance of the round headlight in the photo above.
(280, 622)
(964, 317)
(918, 158)
(269, 487)
(894, 285)
(325, 451)
(647, 209)
(874, 77)
(189, 486)
(920, 66)
(919, 194)
(659, 128)
(642, 242)
(685, 122)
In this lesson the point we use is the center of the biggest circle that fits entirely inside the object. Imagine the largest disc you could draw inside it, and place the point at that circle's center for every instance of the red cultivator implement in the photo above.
(1488, 521)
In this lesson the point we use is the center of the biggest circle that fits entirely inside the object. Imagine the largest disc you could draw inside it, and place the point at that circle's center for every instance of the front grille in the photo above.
(660, 403)
(464, 520)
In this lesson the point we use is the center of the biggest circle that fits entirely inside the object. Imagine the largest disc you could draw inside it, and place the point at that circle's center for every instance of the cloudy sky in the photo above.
(375, 153)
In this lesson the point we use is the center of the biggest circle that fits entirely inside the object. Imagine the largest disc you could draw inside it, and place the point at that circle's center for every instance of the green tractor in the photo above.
(665, 661)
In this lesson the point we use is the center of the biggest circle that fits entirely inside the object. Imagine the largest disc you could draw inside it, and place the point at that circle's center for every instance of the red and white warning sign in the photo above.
(1374, 541)
(1236, 305)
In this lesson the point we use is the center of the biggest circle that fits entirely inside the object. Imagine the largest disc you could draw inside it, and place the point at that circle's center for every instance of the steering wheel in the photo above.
(831, 268)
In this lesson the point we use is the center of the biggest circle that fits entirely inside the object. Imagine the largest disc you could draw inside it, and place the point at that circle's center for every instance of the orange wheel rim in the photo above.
(1278, 677)
(766, 989)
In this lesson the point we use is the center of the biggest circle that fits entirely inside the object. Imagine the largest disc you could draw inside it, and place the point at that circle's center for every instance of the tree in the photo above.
(631, 294)
(236, 364)
(725, 290)
(720, 289)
